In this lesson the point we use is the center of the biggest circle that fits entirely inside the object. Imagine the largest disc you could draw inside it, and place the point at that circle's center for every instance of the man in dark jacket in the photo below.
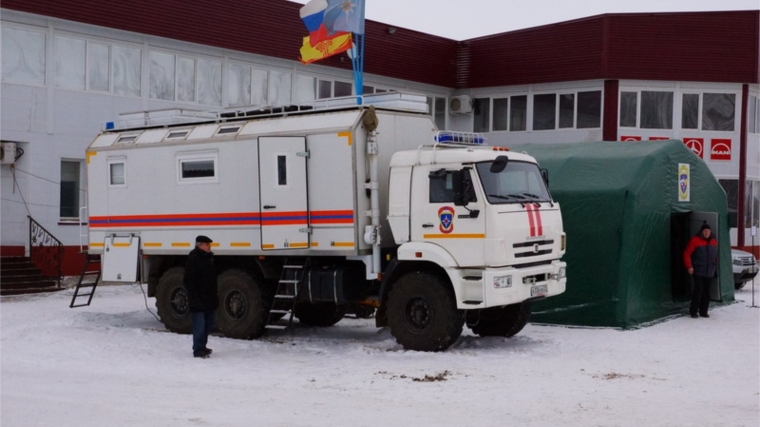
(200, 282)
(700, 258)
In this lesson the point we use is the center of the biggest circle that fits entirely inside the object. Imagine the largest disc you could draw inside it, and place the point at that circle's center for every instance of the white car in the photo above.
(745, 267)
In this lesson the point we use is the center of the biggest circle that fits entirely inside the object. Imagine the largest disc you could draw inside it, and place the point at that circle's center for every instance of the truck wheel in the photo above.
(422, 313)
(242, 311)
(505, 321)
(172, 302)
(320, 314)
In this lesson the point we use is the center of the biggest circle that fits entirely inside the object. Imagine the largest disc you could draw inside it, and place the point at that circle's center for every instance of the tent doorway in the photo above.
(682, 227)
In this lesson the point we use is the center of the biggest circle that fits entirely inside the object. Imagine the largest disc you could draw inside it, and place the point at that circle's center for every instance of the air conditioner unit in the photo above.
(461, 104)
(7, 153)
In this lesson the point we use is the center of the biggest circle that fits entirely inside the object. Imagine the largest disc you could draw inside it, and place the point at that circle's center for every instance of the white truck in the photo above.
(313, 210)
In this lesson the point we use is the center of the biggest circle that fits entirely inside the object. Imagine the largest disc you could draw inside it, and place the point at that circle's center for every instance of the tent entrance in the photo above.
(682, 227)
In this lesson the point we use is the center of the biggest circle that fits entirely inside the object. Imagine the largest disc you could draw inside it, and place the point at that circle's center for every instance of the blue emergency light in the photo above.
(454, 137)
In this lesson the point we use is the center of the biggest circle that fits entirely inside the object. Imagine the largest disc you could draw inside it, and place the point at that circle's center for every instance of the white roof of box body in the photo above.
(443, 155)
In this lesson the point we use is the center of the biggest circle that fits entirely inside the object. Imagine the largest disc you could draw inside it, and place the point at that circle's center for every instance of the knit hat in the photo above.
(203, 239)
(705, 226)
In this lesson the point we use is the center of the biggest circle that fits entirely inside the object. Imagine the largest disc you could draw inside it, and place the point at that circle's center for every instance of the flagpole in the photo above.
(357, 62)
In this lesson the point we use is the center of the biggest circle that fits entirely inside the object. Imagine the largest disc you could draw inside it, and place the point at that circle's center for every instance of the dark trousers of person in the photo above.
(203, 323)
(700, 295)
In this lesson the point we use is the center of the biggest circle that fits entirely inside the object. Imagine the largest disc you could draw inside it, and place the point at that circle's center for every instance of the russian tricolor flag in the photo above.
(313, 16)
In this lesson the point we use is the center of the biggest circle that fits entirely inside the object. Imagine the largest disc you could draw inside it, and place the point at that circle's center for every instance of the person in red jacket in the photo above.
(700, 259)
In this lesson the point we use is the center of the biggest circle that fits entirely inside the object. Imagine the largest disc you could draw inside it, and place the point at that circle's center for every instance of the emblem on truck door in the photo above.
(446, 217)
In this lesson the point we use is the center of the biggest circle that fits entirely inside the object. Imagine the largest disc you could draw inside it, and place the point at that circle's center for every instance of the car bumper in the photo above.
(746, 274)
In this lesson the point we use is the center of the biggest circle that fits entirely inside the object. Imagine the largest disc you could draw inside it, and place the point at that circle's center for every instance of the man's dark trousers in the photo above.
(203, 323)
(700, 295)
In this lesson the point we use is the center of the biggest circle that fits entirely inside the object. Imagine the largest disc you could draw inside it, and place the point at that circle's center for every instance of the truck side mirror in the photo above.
(462, 186)
(545, 176)
(499, 164)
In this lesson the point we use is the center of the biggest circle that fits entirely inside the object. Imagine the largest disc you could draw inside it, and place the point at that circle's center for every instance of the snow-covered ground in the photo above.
(112, 364)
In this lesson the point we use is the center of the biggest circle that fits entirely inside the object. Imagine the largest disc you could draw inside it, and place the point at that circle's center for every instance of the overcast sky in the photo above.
(466, 19)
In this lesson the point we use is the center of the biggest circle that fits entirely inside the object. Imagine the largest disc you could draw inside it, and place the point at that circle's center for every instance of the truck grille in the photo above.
(531, 249)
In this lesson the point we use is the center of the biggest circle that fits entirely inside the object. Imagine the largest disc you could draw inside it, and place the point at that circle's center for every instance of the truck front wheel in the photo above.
(505, 321)
(172, 302)
(242, 311)
(422, 313)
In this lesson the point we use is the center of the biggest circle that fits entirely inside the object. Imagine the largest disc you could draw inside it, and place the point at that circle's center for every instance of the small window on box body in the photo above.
(198, 168)
(117, 173)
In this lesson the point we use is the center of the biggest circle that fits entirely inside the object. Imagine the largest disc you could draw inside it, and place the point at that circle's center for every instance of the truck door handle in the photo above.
(428, 225)
(269, 207)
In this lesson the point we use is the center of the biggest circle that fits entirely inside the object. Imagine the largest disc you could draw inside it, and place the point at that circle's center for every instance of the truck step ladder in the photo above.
(88, 285)
(286, 296)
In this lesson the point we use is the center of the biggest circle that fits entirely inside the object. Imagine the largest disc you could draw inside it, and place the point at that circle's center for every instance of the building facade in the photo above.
(68, 67)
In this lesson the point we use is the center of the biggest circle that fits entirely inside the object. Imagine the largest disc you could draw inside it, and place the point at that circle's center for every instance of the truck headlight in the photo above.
(562, 272)
(502, 282)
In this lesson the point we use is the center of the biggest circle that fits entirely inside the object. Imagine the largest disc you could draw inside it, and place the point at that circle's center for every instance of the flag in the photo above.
(324, 48)
(313, 14)
(344, 15)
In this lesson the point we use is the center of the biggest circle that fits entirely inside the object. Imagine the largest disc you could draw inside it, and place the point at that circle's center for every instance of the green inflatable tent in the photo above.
(629, 209)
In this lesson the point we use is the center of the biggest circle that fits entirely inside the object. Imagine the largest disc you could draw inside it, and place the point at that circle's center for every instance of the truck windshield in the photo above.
(519, 182)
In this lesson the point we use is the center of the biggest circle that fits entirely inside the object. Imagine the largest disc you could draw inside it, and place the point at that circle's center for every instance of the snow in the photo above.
(113, 364)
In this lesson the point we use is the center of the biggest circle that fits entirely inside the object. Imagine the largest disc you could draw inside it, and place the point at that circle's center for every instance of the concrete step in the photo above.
(23, 291)
(46, 282)
(8, 278)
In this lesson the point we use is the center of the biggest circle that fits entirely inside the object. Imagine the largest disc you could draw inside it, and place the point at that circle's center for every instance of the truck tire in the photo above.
(172, 302)
(505, 321)
(243, 311)
(422, 313)
(320, 314)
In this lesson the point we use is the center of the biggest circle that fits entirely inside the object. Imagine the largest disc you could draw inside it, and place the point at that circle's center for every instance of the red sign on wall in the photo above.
(720, 149)
(630, 138)
(696, 145)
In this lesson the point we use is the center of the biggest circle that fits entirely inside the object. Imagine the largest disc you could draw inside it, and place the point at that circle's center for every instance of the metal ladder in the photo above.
(82, 285)
(292, 277)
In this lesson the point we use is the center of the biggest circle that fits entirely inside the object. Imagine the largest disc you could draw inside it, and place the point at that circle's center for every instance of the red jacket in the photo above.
(702, 255)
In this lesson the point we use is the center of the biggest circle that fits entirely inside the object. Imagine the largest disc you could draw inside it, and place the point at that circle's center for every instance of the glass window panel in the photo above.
(209, 82)
(628, 109)
(731, 187)
(544, 111)
(440, 113)
(279, 88)
(282, 170)
(718, 111)
(441, 188)
(752, 115)
(589, 109)
(305, 90)
(69, 62)
(98, 67)
(239, 84)
(260, 91)
(185, 79)
(567, 110)
(343, 89)
(117, 174)
(198, 169)
(656, 110)
(690, 111)
(367, 90)
(756, 203)
(23, 56)
(518, 113)
(162, 76)
(69, 189)
(325, 89)
(482, 114)
(127, 69)
(500, 113)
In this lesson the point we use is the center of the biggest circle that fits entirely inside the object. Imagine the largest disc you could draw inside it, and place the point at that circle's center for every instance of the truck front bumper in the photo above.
(493, 287)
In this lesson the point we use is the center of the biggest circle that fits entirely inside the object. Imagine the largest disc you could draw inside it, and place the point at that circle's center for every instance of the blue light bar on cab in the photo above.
(454, 137)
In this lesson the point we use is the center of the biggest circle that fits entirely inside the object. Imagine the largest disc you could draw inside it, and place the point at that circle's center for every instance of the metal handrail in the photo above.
(45, 250)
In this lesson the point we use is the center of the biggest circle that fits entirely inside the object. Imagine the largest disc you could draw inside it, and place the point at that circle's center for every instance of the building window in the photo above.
(482, 114)
(589, 109)
(567, 110)
(185, 79)
(98, 68)
(343, 89)
(656, 110)
(117, 173)
(260, 91)
(690, 111)
(628, 109)
(544, 111)
(753, 115)
(731, 187)
(439, 114)
(518, 113)
(324, 89)
(209, 82)
(126, 70)
(500, 113)
(197, 168)
(718, 111)
(23, 56)
(70, 54)
(161, 76)
(70, 186)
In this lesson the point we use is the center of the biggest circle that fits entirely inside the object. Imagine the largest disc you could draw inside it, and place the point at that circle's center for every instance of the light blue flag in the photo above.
(345, 15)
